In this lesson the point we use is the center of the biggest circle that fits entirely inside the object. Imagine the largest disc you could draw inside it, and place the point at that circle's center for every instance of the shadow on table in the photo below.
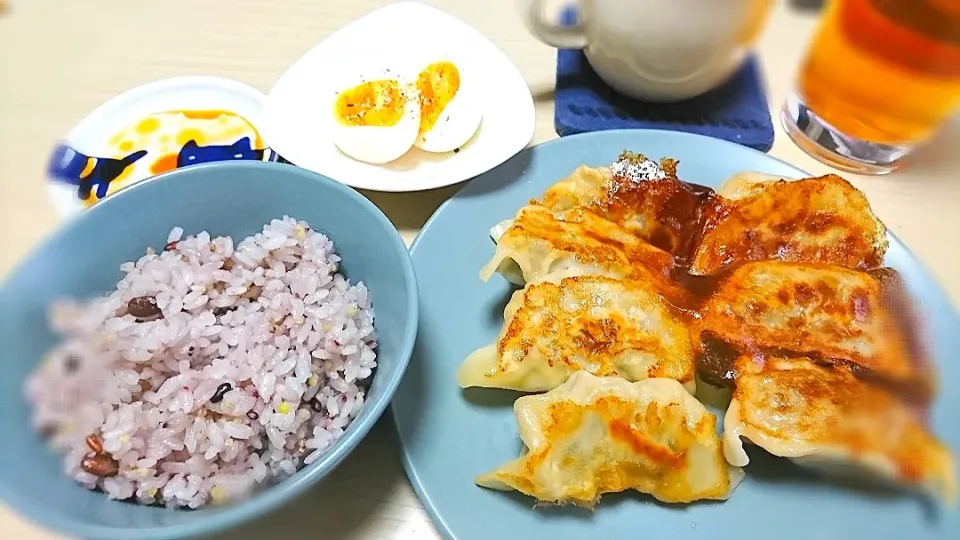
(543, 93)
(412, 209)
(367, 496)
(938, 158)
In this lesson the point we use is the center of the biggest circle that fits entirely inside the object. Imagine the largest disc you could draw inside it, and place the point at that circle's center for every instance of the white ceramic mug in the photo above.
(657, 50)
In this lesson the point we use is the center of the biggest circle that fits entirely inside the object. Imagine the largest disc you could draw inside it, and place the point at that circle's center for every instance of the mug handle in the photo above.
(551, 33)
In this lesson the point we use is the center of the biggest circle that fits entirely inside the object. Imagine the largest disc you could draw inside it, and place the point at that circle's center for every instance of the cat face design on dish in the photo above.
(156, 144)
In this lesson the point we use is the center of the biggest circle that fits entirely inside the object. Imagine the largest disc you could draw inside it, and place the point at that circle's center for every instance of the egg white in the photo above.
(458, 120)
(379, 144)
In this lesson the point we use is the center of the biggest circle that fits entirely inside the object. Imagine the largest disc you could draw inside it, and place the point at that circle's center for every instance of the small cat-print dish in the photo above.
(151, 129)
(402, 53)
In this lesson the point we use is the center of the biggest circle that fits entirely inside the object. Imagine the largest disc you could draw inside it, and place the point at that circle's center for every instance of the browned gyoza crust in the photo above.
(835, 315)
(816, 220)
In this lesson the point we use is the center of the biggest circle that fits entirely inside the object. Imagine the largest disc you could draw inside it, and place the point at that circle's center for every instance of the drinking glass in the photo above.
(879, 79)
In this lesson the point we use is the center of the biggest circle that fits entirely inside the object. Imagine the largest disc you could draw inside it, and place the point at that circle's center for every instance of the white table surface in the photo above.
(61, 58)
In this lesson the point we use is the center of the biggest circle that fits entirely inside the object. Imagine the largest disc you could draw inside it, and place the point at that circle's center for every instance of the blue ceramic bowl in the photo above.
(83, 259)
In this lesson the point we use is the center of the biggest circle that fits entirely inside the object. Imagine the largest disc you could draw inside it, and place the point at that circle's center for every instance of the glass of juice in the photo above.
(880, 78)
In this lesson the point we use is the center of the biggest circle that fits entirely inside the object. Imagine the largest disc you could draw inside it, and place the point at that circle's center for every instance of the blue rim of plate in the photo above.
(263, 501)
(436, 518)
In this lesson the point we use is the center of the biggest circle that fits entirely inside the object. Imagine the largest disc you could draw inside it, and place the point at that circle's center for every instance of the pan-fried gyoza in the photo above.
(817, 220)
(643, 197)
(539, 242)
(595, 435)
(824, 416)
(598, 324)
(835, 314)
(772, 288)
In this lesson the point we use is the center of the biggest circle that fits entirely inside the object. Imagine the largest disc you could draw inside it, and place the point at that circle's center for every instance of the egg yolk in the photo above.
(436, 85)
(373, 103)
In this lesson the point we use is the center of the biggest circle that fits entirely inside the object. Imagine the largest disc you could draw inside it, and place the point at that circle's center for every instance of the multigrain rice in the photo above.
(238, 366)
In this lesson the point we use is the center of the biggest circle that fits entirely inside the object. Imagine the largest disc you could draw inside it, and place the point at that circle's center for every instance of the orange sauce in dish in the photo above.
(164, 164)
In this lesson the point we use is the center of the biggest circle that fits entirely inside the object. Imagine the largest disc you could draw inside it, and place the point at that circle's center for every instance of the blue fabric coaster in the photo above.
(736, 112)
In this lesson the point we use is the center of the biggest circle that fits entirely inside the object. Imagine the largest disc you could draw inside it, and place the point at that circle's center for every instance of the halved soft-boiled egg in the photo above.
(450, 109)
(376, 120)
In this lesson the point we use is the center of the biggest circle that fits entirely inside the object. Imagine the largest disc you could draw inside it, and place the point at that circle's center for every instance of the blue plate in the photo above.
(449, 436)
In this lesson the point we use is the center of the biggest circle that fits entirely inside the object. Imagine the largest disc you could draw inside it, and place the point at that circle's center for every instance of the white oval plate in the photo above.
(91, 134)
(298, 111)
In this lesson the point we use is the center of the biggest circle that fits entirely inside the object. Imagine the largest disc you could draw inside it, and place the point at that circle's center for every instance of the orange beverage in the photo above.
(879, 73)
